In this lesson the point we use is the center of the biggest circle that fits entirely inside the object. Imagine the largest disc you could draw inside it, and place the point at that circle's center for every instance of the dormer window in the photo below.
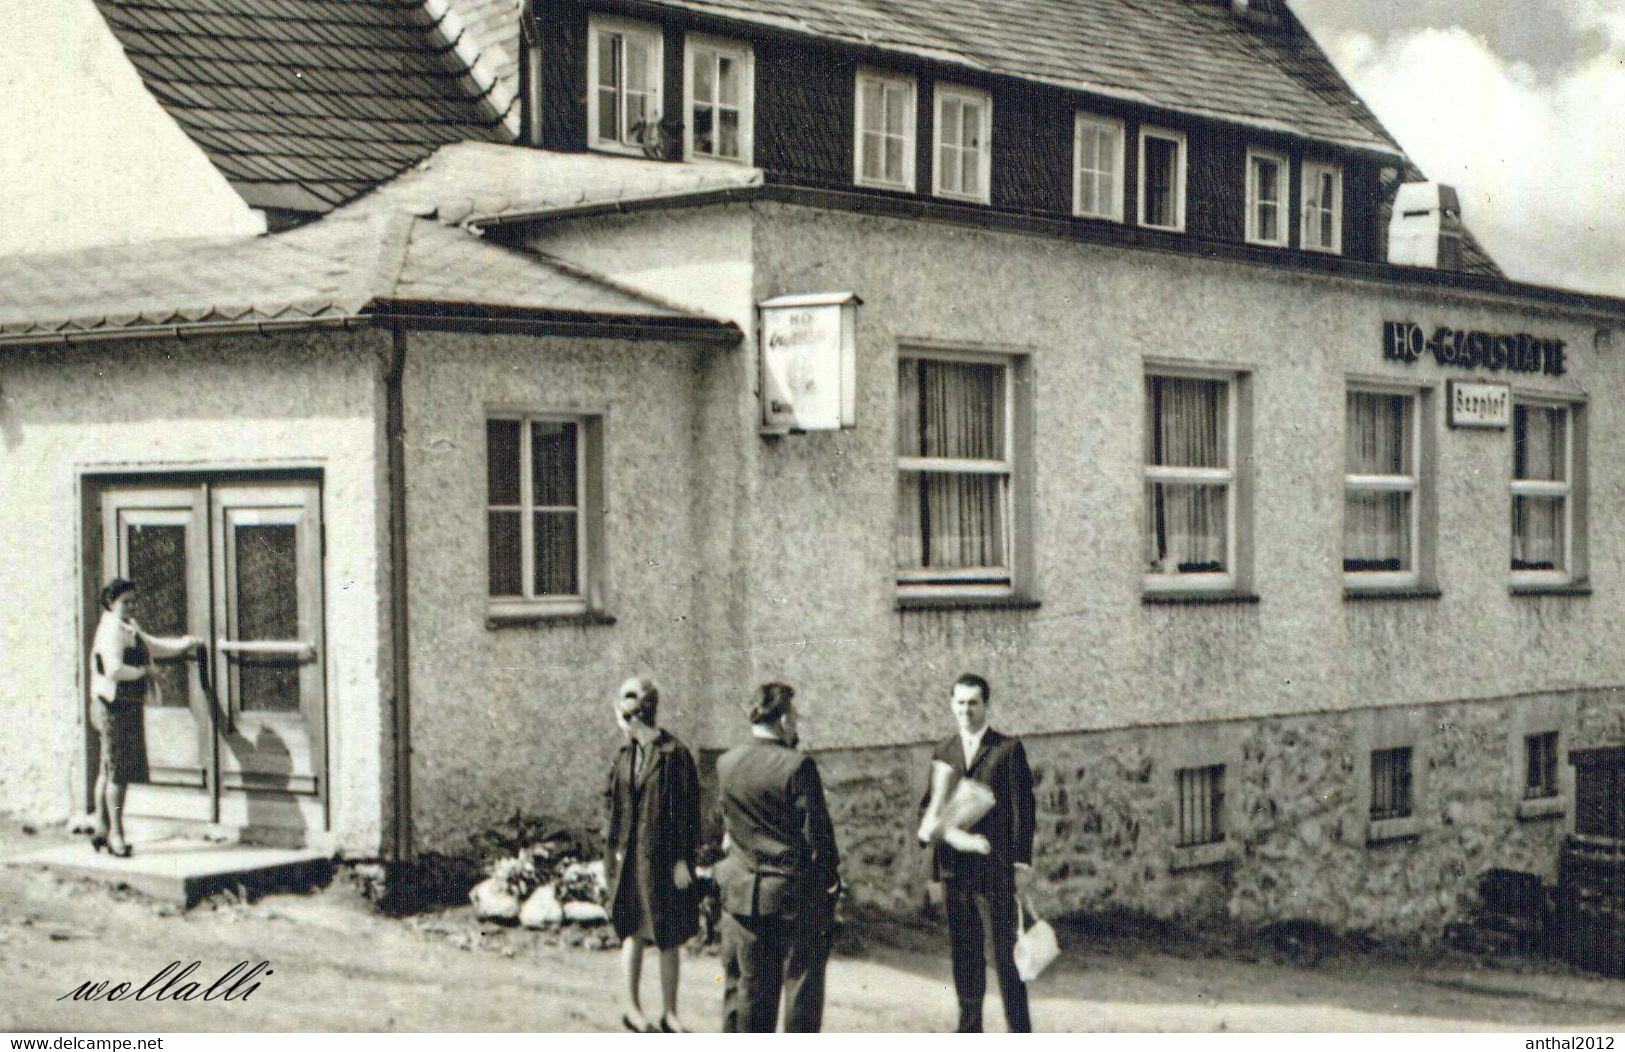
(718, 86)
(885, 131)
(623, 108)
(1097, 162)
(1267, 189)
(1322, 207)
(1162, 179)
(964, 136)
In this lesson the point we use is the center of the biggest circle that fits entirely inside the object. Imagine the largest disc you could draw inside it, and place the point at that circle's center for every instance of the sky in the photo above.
(1516, 103)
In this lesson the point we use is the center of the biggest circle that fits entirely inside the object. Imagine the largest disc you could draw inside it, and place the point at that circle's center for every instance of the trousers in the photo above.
(764, 957)
(973, 906)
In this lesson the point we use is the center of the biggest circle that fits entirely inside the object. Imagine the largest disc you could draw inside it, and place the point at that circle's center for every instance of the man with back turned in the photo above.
(980, 866)
(779, 878)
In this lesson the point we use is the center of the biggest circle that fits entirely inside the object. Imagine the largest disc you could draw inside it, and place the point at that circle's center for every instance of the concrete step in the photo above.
(184, 871)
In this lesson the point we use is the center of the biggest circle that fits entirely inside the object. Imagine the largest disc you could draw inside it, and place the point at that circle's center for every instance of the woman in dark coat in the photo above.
(653, 834)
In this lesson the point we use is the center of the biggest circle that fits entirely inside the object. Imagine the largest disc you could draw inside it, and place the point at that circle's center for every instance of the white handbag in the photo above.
(1036, 947)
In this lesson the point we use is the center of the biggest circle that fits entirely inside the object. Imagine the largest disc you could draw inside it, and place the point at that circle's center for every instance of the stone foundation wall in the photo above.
(1299, 843)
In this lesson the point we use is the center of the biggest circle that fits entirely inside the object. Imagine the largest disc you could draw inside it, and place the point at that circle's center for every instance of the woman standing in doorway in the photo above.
(654, 832)
(120, 660)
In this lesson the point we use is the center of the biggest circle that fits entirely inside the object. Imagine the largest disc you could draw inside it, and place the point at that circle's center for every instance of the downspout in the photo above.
(401, 672)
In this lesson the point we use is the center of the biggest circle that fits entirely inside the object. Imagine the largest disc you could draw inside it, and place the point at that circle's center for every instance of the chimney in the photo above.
(1238, 7)
(1425, 229)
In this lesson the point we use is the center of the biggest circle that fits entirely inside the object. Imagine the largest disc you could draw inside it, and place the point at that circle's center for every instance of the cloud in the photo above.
(1537, 153)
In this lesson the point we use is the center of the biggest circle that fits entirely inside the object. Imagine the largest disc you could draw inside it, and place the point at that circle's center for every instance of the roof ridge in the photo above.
(449, 28)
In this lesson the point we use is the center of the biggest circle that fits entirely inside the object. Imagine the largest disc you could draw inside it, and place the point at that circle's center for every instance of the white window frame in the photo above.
(696, 45)
(1283, 203)
(1081, 122)
(529, 602)
(1566, 489)
(1312, 171)
(651, 35)
(974, 583)
(1230, 580)
(1412, 483)
(910, 121)
(943, 94)
(1178, 139)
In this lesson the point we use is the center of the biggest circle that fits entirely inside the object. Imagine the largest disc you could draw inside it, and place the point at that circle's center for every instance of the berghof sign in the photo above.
(1404, 341)
(1476, 404)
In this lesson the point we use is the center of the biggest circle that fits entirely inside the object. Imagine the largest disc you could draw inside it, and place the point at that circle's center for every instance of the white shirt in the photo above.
(971, 743)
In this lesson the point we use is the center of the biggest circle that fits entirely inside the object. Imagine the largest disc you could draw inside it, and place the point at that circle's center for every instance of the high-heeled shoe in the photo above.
(646, 1028)
(98, 843)
(120, 850)
(668, 1027)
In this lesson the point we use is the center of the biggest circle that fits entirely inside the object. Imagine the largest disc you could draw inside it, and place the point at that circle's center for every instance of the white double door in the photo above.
(240, 742)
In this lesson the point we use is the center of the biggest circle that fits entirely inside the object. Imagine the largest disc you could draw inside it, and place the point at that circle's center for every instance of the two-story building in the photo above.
(1111, 350)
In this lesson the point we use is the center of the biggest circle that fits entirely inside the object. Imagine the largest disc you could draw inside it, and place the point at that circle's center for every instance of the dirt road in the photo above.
(335, 965)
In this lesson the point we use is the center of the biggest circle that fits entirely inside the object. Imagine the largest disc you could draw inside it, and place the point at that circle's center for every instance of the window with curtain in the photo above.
(624, 104)
(1322, 207)
(1541, 489)
(535, 538)
(1098, 163)
(1189, 481)
(955, 467)
(964, 126)
(885, 139)
(719, 103)
(1266, 198)
(1380, 488)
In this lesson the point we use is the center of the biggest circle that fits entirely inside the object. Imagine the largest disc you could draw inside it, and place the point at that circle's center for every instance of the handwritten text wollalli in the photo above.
(162, 986)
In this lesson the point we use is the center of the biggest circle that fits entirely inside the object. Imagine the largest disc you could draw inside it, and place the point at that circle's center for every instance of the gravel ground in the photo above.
(334, 964)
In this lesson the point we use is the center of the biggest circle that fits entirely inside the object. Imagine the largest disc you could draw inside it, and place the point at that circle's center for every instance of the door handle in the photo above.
(304, 652)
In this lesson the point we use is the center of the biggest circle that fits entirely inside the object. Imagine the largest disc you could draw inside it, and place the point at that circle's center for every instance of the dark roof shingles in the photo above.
(270, 88)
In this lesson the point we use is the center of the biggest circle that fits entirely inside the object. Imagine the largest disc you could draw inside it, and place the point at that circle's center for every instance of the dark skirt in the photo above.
(124, 741)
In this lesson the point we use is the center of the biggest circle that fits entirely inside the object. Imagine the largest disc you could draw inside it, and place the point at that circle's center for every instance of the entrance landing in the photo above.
(184, 871)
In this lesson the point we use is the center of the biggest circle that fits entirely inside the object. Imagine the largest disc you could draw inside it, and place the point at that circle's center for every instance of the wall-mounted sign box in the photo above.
(809, 347)
(1480, 405)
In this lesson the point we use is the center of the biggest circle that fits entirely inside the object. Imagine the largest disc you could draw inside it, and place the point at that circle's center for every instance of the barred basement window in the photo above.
(1201, 805)
(1390, 783)
(1540, 766)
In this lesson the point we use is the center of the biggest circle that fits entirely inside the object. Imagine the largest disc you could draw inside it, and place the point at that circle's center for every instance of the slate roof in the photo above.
(370, 252)
(1194, 56)
(305, 104)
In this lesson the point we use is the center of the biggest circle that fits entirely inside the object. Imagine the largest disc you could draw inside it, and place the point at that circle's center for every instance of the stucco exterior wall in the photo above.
(309, 400)
(821, 605)
(516, 717)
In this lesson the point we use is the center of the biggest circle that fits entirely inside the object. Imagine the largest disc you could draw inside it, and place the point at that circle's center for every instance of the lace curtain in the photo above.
(1377, 523)
(1187, 520)
(951, 520)
(1538, 454)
